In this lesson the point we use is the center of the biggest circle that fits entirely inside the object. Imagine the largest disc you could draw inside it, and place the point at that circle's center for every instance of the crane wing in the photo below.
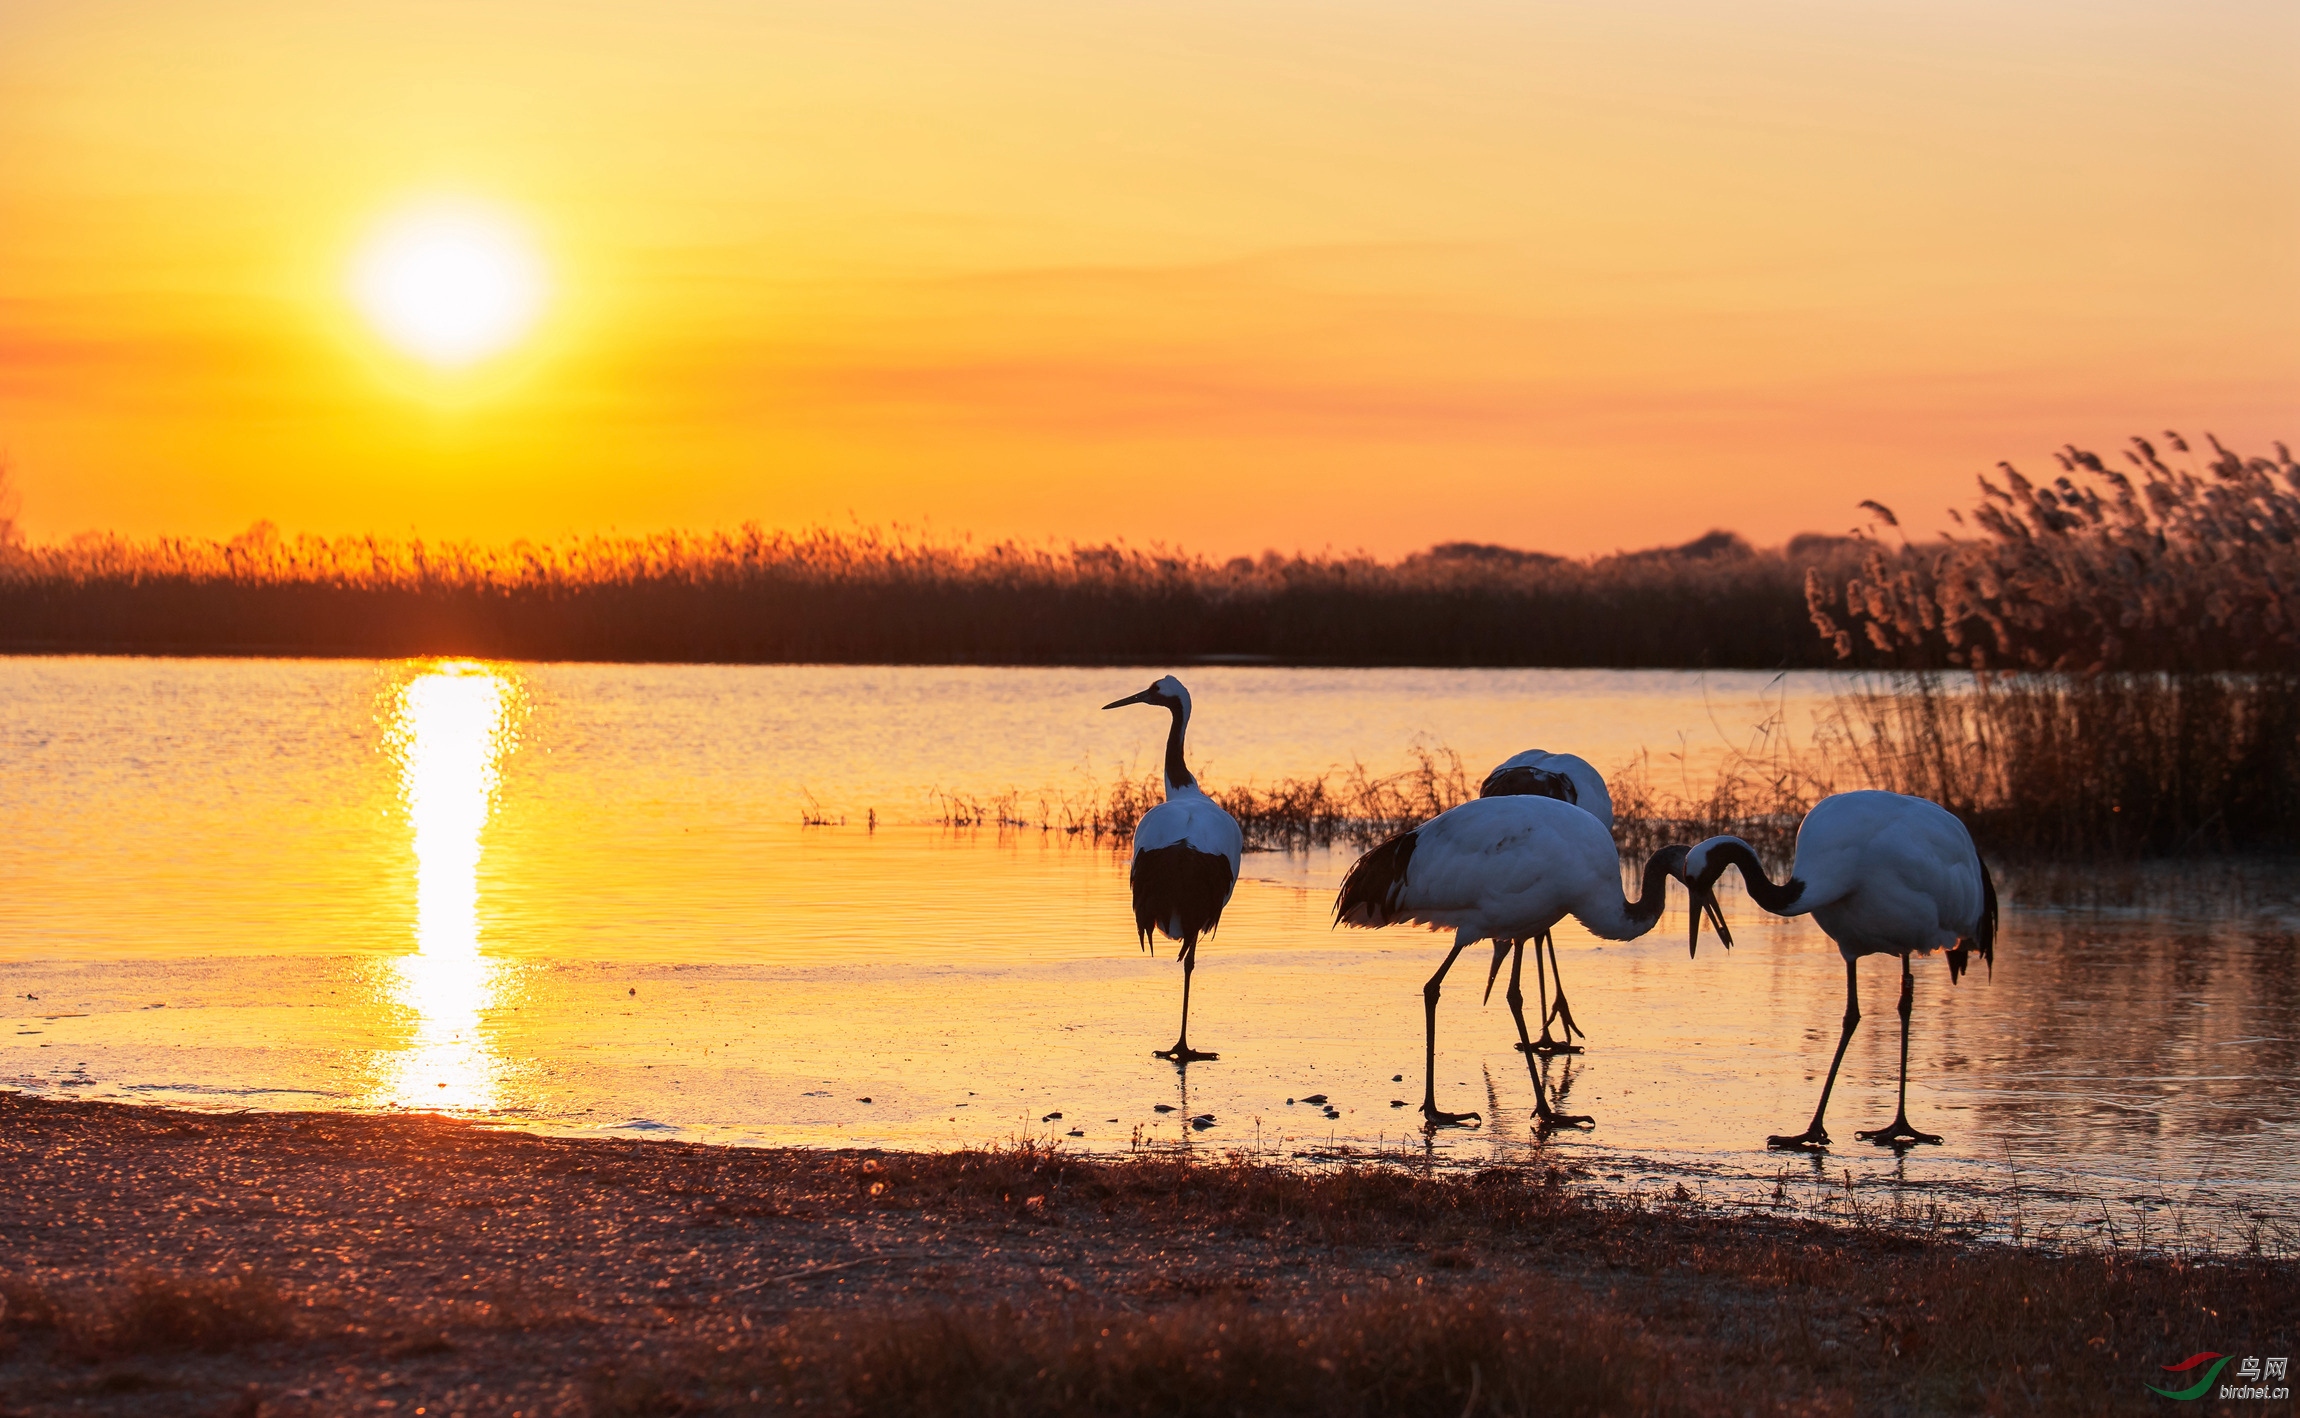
(1189, 818)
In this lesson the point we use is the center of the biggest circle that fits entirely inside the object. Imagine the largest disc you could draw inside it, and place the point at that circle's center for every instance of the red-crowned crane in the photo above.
(1881, 874)
(1504, 867)
(1569, 778)
(1186, 853)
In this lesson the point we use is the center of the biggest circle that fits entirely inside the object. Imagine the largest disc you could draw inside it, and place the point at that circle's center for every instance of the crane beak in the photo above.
(1142, 698)
(1500, 953)
(1704, 904)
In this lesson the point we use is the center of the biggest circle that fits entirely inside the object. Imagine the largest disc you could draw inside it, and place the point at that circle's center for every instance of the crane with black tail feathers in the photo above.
(1186, 854)
(1880, 874)
(1567, 777)
(1504, 868)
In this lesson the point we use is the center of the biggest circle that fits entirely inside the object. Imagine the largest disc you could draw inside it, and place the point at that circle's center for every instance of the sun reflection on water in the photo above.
(451, 727)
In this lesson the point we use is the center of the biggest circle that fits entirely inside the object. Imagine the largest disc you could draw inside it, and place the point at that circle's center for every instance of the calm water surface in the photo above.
(579, 898)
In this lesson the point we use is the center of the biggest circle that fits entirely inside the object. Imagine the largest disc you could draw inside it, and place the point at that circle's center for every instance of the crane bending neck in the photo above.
(1778, 897)
(1653, 895)
(1177, 772)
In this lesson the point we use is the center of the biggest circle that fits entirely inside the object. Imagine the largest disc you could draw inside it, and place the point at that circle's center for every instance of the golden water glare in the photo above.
(451, 729)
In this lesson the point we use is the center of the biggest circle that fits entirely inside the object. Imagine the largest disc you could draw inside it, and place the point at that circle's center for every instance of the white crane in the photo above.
(1568, 777)
(1881, 874)
(1186, 853)
(1503, 868)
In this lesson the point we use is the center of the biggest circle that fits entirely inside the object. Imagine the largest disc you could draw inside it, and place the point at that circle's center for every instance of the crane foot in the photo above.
(1182, 1053)
(1812, 1139)
(1436, 1118)
(1899, 1135)
(1545, 1119)
(1548, 1048)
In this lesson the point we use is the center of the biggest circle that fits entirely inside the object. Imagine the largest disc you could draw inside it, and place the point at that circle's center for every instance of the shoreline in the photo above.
(2037, 1208)
(163, 1262)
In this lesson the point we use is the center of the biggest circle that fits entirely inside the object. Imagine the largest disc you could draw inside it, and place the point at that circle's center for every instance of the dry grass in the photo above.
(1290, 814)
(1758, 797)
(1534, 1351)
(145, 1312)
(1574, 1303)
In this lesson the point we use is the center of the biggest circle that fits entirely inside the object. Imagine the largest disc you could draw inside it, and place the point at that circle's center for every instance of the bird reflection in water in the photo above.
(452, 727)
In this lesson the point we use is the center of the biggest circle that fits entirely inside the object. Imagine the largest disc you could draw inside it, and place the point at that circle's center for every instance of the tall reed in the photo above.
(2155, 612)
(2188, 569)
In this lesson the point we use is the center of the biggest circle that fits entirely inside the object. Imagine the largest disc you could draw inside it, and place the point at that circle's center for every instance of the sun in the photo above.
(450, 284)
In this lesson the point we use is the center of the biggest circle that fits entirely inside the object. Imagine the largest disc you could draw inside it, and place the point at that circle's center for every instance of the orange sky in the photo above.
(1236, 274)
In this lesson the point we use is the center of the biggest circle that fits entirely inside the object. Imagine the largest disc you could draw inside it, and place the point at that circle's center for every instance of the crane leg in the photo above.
(1900, 1134)
(1182, 1053)
(1547, 1045)
(1560, 1011)
(1544, 1115)
(1563, 1011)
(1431, 1116)
(1816, 1135)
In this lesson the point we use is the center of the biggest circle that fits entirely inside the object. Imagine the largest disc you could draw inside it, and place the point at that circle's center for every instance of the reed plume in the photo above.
(2147, 567)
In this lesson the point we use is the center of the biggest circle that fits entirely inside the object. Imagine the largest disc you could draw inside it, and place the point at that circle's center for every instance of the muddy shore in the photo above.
(170, 1263)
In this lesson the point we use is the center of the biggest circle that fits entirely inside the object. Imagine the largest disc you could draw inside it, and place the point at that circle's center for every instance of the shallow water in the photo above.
(579, 898)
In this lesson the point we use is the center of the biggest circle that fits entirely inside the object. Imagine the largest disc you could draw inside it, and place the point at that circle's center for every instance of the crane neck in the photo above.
(1653, 894)
(1177, 772)
(1774, 896)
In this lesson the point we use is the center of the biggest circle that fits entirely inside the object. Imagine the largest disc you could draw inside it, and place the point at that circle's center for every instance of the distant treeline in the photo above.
(2156, 569)
(869, 596)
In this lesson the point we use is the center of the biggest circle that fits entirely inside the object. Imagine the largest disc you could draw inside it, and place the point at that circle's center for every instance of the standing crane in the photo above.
(1186, 853)
(1568, 777)
(1504, 868)
(1880, 874)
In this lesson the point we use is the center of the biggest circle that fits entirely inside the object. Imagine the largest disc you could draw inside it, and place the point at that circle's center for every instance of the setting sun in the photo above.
(449, 285)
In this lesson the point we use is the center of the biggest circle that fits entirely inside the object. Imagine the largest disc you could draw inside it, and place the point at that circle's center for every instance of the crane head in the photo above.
(1166, 693)
(1702, 868)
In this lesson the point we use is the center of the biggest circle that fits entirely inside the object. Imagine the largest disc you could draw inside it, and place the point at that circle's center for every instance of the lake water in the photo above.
(580, 898)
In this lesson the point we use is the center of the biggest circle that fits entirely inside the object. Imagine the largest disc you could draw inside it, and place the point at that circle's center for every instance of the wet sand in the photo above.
(163, 1262)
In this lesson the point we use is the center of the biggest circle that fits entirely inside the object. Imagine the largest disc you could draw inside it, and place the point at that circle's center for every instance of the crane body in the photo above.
(1881, 874)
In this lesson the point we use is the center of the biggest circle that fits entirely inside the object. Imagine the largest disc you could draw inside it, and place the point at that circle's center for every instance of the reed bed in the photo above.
(866, 595)
(2092, 767)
